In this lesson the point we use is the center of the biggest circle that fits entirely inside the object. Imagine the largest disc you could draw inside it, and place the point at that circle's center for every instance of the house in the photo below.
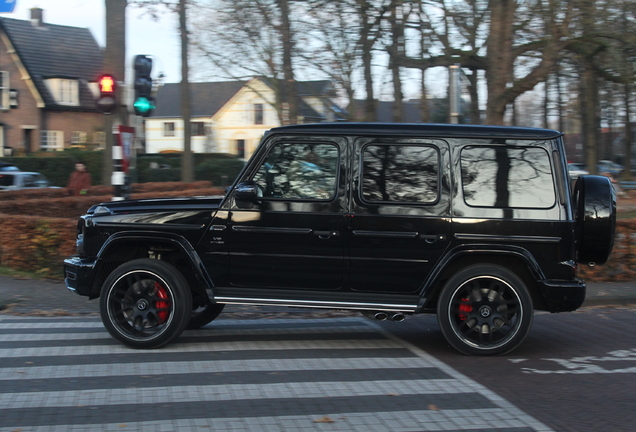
(46, 75)
(230, 116)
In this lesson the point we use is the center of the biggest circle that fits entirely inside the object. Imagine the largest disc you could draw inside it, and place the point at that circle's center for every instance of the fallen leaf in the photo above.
(433, 407)
(324, 420)
(393, 394)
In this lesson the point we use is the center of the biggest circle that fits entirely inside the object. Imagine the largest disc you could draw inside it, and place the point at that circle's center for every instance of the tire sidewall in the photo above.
(205, 316)
(178, 291)
(455, 283)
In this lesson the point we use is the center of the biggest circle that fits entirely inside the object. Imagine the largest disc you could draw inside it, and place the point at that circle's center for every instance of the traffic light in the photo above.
(144, 103)
(107, 101)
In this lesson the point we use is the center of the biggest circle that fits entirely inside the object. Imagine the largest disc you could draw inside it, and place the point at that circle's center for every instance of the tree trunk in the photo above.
(187, 163)
(500, 58)
(289, 91)
(589, 116)
(115, 63)
(395, 52)
(627, 175)
(366, 45)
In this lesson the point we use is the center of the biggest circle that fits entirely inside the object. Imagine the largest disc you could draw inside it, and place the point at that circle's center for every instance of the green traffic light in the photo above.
(143, 105)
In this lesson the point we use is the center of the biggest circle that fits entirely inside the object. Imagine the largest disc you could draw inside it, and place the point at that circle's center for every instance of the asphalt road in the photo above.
(252, 370)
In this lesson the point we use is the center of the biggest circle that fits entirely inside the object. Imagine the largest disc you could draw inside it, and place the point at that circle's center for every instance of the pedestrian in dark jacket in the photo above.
(80, 180)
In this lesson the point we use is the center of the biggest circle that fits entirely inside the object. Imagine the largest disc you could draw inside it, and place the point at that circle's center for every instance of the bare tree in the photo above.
(247, 38)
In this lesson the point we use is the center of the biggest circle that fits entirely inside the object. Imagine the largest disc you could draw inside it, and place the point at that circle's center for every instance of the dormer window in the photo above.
(64, 91)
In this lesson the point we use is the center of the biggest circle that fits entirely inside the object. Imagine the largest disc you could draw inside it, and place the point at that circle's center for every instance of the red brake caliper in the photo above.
(162, 304)
(464, 309)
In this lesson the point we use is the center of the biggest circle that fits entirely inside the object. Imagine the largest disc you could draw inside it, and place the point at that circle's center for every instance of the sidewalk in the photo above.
(47, 298)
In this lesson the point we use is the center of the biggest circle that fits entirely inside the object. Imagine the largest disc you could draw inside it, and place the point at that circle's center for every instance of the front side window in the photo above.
(507, 177)
(400, 173)
(168, 129)
(299, 171)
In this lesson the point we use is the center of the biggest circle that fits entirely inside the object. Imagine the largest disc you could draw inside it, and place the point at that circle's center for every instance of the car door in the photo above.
(291, 237)
(400, 213)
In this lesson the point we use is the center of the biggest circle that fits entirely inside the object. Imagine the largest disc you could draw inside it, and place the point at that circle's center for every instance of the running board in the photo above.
(316, 304)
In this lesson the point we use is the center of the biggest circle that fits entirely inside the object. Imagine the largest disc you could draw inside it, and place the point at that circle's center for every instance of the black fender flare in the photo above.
(162, 237)
(478, 250)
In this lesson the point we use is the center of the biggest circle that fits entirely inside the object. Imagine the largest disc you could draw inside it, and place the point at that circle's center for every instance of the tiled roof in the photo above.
(56, 51)
(207, 98)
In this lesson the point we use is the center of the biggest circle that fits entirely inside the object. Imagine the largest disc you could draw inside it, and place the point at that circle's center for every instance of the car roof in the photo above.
(419, 130)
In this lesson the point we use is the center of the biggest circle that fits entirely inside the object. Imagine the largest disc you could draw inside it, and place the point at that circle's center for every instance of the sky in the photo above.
(160, 39)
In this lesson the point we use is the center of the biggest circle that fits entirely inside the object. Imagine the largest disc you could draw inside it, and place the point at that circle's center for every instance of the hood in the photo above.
(208, 203)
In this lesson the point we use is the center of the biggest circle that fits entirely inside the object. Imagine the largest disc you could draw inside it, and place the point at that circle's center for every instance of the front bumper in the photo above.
(79, 275)
(563, 295)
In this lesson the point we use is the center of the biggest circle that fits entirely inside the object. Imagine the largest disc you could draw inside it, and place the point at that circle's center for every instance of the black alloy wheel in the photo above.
(145, 303)
(485, 310)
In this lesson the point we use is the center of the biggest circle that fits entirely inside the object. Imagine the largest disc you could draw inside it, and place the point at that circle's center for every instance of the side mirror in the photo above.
(248, 191)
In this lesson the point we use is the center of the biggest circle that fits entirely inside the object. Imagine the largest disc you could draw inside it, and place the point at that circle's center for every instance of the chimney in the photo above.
(37, 15)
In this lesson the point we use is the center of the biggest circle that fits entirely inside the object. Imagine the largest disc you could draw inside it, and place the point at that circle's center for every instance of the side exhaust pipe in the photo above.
(397, 317)
(376, 315)
(381, 315)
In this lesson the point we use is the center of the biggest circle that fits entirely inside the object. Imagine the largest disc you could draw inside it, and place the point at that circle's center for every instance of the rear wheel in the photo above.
(145, 303)
(485, 310)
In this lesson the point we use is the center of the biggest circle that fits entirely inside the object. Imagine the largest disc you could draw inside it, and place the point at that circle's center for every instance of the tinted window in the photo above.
(507, 177)
(400, 173)
(299, 171)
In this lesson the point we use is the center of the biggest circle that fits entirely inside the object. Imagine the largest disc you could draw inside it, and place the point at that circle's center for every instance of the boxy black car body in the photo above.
(478, 224)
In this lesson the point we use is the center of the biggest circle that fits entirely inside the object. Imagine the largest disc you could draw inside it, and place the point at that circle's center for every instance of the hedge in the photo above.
(37, 228)
(218, 168)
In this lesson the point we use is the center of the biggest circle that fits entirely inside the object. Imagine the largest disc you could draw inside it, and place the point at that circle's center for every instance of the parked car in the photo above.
(575, 170)
(607, 166)
(13, 180)
(6, 166)
(473, 223)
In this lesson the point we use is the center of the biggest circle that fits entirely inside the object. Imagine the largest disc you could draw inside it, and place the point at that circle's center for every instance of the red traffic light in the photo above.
(106, 84)
(107, 99)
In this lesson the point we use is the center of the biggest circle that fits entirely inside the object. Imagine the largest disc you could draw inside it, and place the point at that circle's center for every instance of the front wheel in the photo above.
(204, 315)
(145, 303)
(485, 310)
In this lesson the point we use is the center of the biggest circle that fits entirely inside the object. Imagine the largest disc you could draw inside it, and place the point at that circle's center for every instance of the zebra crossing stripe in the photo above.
(288, 375)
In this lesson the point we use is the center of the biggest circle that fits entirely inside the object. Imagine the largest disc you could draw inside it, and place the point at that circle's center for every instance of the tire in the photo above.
(595, 215)
(485, 310)
(145, 303)
(204, 315)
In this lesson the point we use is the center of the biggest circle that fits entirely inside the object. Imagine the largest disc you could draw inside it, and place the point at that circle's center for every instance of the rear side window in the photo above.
(507, 177)
(400, 173)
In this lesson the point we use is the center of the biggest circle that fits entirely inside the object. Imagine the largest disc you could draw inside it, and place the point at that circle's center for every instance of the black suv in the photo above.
(478, 224)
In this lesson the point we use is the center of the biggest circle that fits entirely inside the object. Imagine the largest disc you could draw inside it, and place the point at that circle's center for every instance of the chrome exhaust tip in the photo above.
(376, 315)
(397, 317)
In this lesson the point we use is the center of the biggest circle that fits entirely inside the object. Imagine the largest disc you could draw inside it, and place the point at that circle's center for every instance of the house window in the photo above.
(99, 139)
(258, 113)
(240, 148)
(168, 129)
(64, 91)
(4, 90)
(197, 128)
(52, 140)
(78, 137)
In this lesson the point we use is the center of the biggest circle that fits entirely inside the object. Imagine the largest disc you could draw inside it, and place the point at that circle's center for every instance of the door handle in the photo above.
(432, 238)
(324, 235)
